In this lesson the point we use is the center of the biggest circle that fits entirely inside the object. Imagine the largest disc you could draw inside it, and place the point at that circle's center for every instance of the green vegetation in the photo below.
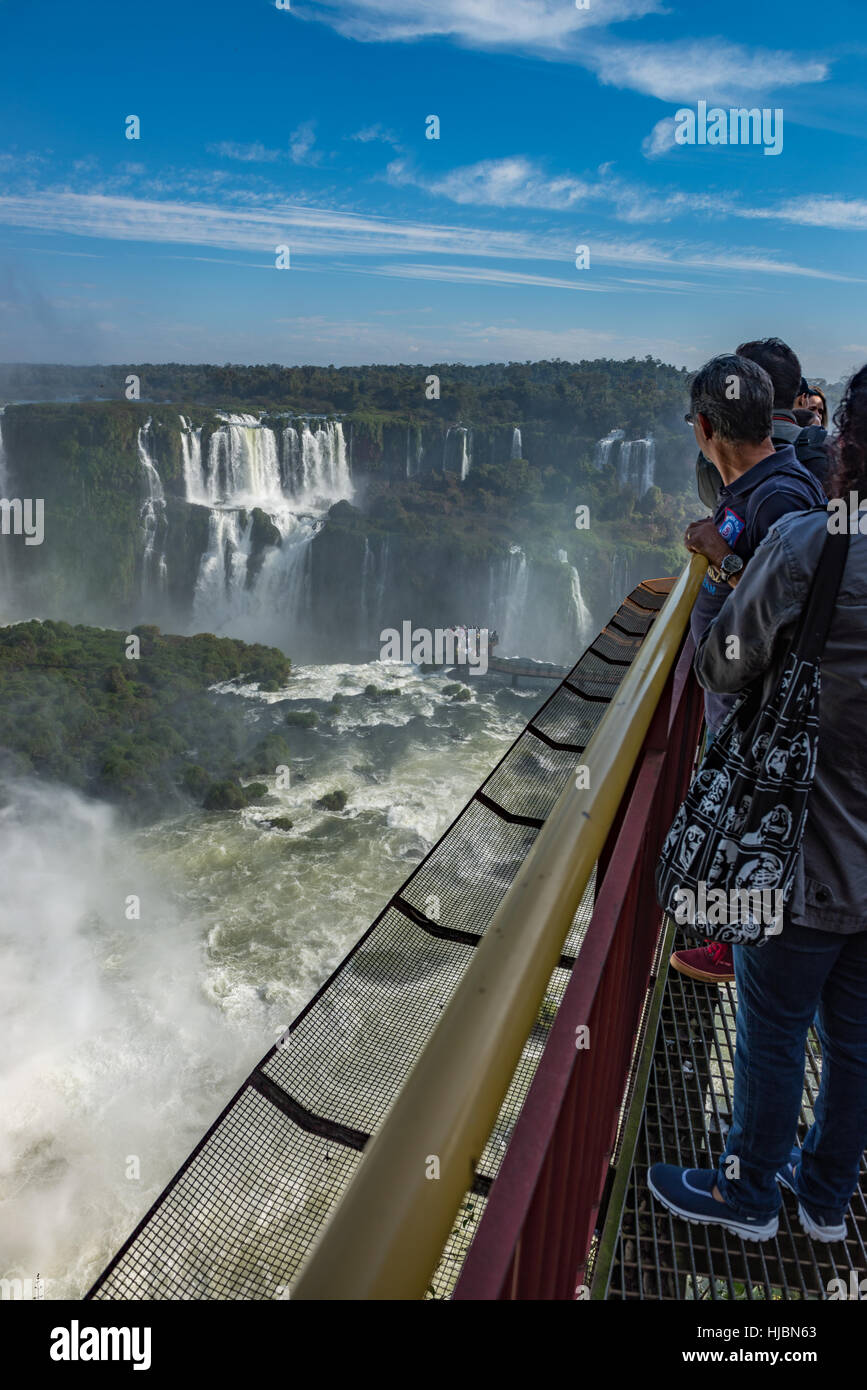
(332, 801)
(376, 692)
(302, 718)
(281, 823)
(145, 733)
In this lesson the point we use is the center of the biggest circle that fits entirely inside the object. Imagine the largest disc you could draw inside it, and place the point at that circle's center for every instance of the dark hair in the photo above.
(781, 365)
(745, 419)
(817, 391)
(849, 449)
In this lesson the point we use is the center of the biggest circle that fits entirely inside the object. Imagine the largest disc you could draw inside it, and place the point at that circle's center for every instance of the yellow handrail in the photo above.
(386, 1235)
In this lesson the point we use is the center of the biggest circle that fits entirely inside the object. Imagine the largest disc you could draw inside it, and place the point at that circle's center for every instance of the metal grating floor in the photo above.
(685, 1119)
(237, 1219)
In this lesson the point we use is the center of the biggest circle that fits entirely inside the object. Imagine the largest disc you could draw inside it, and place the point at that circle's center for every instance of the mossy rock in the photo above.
(281, 823)
(332, 801)
(302, 718)
(224, 796)
(269, 754)
(461, 694)
(254, 791)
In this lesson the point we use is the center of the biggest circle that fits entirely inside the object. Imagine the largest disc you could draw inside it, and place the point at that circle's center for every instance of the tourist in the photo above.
(791, 391)
(819, 960)
(760, 483)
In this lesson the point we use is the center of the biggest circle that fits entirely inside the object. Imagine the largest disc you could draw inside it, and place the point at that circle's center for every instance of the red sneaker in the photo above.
(712, 963)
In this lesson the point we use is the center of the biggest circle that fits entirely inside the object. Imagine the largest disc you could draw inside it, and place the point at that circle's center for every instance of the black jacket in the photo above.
(810, 445)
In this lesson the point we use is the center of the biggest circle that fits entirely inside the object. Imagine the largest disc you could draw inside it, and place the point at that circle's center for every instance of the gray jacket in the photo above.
(830, 890)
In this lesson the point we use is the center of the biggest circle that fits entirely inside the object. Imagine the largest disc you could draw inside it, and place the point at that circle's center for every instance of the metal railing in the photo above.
(387, 1233)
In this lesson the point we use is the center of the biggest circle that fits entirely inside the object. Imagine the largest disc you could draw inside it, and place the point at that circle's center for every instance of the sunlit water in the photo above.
(124, 1036)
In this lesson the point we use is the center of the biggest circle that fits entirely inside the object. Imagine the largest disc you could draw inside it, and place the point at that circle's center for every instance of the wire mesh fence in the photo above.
(239, 1216)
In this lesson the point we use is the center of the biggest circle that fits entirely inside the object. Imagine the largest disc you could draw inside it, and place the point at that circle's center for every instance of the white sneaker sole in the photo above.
(756, 1233)
(827, 1235)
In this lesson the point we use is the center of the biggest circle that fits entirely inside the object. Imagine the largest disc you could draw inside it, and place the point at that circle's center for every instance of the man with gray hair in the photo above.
(732, 406)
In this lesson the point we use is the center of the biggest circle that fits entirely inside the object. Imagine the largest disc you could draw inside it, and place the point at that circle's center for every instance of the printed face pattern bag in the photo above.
(728, 862)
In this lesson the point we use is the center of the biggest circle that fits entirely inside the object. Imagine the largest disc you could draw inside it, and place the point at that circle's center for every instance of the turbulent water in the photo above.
(124, 1036)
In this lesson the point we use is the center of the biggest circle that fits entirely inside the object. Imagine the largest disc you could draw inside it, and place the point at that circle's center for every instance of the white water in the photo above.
(636, 465)
(517, 445)
(584, 626)
(602, 454)
(293, 479)
(122, 1038)
(515, 588)
(153, 517)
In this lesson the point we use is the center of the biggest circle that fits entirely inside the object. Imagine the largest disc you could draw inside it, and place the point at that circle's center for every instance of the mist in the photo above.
(113, 1059)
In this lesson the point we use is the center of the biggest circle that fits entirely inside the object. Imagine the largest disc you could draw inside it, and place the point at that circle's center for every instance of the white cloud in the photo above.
(375, 133)
(301, 143)
(488, 275)
(511, 182)
(542, 26)
(708, 69)
(661, 138)
(326, 232)
(842, 214)
(247, 154)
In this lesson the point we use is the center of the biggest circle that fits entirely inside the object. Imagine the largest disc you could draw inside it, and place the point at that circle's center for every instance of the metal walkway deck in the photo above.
(682, 1118)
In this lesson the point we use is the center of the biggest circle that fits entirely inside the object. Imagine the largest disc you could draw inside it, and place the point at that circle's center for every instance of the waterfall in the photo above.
(415, 454)
(293, 476)
(153, 516)
(604, 447)
(466, 452)
(466, 455)
(513, 603)
(635, 466)
(517, 445)
(191, 453)
(584, 629)
(620, 583)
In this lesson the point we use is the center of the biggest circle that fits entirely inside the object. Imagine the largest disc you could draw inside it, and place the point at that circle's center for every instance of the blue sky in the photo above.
(306, 127)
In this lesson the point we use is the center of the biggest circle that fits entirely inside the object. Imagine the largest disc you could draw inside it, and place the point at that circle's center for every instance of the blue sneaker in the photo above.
(688, 1192)
(817, 1225)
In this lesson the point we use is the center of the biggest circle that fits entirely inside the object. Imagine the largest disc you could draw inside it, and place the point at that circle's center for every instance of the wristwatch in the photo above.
(730, 565)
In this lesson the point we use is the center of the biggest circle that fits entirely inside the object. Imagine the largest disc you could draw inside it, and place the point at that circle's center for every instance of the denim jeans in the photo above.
(779, 987)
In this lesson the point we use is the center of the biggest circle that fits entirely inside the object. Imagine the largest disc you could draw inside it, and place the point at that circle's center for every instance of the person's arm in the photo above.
(755, 619)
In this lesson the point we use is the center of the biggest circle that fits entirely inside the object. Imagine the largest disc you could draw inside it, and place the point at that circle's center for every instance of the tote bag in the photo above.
(728, 862)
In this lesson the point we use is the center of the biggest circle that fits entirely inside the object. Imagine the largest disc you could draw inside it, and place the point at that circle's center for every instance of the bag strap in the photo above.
(822, 600)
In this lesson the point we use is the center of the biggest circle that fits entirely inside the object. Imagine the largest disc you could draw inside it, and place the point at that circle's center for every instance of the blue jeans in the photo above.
(779, 987)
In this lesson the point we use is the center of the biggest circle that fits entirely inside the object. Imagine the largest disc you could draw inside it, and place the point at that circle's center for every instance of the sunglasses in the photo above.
(689, 418)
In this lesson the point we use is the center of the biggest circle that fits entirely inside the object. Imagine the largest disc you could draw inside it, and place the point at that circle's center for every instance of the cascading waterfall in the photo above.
(293, 479)
(603, 449)
(153, 516)
(620, 581)
(635, 466)
(513, 602)
(465, 458)
(517, 444)
(414, 450)
(466, 453)
(584, 628)
(191, 453)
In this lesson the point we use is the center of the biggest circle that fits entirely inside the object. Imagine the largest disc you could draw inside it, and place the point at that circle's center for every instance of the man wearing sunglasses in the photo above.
(732, 407)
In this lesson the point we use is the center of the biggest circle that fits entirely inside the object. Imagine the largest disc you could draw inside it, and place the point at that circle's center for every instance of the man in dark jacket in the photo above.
(732, 408)
(809, 443)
